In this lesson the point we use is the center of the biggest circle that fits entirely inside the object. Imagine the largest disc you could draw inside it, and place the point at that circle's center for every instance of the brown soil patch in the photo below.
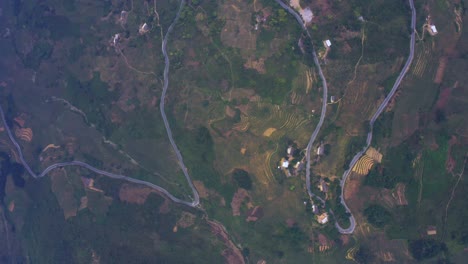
(346, 48)
(194, 64)
(344, 239)
(254, 214)
(230, 112)
(237, 31)
(232, 254)
(186, 220)
(351, 187)
(258, 65)
(441, 70)
(20, 120)
(392, 102)
(444, 97)
(11, 206)
(164, 208)
(83, 203)
(400, 194)
(322, 7)
(450, 163)
(324, 243)
(134, 194)
(207, 193)
(202, 191)
(237, 200)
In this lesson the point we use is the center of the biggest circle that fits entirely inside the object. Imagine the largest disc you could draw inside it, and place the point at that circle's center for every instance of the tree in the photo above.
(242, 179)
(363, 255)
(377, 215)
(426, 248)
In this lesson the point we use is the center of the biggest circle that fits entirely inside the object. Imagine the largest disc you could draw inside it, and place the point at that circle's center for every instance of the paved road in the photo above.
(377, 113)
(196, 199)
(324, 100)
(352, 220)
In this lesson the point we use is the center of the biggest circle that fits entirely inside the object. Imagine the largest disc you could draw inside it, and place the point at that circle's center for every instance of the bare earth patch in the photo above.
(207, 193)
(237, 31)
(232, 254)
(441, 70)
(186, 220)
(400, 194)
(134, 194)
(258, 65)
(237, 201)
(202, 191)
(230, 112)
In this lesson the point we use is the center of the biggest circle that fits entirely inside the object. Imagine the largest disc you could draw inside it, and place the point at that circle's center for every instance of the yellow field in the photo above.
(364, 165)
(269, 131)
(374, 154)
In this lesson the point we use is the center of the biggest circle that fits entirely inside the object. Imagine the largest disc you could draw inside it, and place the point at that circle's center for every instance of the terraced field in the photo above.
(422, 59)
(263, 117)
(364, 165)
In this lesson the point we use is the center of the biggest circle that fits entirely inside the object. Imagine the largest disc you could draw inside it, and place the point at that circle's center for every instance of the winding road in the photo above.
(324, 100)
(382, 106)
(196, 199)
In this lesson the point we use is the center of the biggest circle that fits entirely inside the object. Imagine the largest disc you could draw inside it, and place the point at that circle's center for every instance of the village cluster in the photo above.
(293, 163)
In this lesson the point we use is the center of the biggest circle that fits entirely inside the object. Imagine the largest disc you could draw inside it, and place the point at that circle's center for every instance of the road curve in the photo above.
(382, 106)
(159, 189)
(377, 113)
(324, 100)
(196, 198)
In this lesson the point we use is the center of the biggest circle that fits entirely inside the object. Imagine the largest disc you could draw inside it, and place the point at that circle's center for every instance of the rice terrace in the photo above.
(227, 131)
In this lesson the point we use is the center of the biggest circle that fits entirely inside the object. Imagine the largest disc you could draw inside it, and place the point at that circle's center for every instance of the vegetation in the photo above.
(426, 248)
(339, 211)
(384, 176)
(377, 215)
(41, 51)
(354, 145)
(383, 127)
(364, 255)
(242, 179)
(93, 97)
(111, 236)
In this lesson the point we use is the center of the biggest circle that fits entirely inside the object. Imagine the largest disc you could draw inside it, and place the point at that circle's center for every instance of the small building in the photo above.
(433, 29)
(323, 218)
(431, 231)
(323, 186)
(296, 166)
(315, 209)
(289, 150)
(285, 164)
(332, 99)
(320, 150)
(143, 29)
(116, 39)
(327, 43)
